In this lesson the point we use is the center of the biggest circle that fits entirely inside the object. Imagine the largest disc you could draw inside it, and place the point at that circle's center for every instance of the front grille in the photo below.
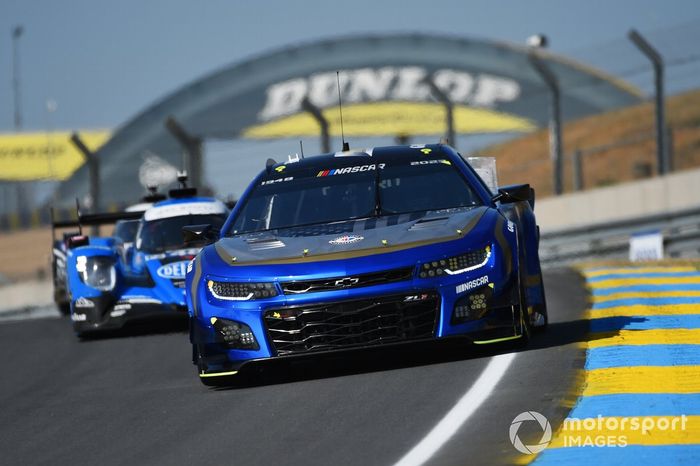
(352, 281)
(345, 324)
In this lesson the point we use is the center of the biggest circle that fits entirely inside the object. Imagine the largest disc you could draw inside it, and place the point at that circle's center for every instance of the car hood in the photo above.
(348, 239)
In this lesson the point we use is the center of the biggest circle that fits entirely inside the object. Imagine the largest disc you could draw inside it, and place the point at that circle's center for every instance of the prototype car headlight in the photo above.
(233, 291)
(97, 272)
(456, 264)
(234, 334)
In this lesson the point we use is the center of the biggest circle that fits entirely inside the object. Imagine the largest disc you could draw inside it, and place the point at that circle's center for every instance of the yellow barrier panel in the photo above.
(38, 156)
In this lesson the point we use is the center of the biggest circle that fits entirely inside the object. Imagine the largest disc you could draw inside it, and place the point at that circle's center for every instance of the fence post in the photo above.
(578, 170)
(662, 161)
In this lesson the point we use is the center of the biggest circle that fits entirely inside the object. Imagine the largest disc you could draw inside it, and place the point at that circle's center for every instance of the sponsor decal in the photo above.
(415, 297)
(470, 285)
(173, 270)
(511, 226)
(78, 317)
(431, 162)
(280, 169)
(346, 170)
(117, 312)
(122, 307)
(81, 263)
(278, 180)
(190, 264)
(84, 302)
(388, 83)
(346, 239)
(426, 151)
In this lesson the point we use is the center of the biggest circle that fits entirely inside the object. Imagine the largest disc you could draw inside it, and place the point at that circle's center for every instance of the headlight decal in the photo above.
(456, 265)
(241, 291)
(485, 253)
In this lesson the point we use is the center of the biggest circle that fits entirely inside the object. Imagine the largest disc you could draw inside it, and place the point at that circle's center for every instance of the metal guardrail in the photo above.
(681, 233)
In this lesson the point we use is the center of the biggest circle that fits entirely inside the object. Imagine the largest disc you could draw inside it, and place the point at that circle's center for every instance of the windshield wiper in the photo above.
(377, 197)
(301, 225)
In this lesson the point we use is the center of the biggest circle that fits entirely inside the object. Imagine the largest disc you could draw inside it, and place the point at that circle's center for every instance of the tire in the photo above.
(523, 324)
(543, 309)
(63, 308)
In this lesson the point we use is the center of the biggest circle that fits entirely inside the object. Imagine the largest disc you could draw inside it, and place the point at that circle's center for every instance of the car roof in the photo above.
(184, 206)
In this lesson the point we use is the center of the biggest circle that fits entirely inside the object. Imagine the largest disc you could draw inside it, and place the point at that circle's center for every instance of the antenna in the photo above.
(301, 147)
(77, 210)
(346, 146)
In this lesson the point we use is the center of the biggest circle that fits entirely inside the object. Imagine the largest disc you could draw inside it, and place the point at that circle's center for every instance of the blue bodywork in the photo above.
(364, 282)
(133, 283)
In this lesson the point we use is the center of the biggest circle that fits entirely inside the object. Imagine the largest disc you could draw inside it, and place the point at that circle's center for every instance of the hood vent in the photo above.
(429, 223)
(260, 244)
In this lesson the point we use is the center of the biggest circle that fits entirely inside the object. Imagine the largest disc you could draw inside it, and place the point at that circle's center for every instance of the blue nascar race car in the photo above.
(360, 249)
(110, 285)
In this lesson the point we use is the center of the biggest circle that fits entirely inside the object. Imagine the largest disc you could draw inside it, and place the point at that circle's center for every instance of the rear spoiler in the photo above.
(105, 218)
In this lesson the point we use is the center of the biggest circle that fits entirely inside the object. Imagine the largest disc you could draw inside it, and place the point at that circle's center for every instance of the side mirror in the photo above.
(206, 234)
(515, 193)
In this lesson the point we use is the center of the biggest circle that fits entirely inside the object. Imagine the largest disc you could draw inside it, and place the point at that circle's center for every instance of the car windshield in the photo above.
(126, 230)
(166, 234)
(349, 193)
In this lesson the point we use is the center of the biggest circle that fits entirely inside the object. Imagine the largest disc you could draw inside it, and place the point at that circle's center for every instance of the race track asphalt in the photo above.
(134, 398)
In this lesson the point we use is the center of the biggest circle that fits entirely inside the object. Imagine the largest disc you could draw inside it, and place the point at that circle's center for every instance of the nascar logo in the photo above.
(472, 284)
(346, 170)
(174, 270)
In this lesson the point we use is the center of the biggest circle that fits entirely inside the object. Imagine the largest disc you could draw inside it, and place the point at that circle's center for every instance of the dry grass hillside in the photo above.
(618, 146)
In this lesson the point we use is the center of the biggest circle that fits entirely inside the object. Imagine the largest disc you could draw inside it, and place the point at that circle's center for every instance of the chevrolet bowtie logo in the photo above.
(347, 281)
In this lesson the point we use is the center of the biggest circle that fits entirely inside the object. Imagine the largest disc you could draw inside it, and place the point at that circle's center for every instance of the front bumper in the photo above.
(407, 312)
(105, 312)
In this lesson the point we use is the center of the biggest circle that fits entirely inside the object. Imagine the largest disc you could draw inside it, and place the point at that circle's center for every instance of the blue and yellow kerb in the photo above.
(640, 402)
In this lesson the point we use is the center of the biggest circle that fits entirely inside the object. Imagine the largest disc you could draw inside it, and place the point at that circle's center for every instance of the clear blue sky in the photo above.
(103, 61)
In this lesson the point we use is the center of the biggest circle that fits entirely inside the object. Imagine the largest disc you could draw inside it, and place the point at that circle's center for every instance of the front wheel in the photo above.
(523, 324)
(540, 319)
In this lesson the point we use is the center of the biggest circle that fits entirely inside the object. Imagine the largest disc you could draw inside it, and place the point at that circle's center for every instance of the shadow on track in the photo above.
(139, 329)
(358, 361)
(413, 355)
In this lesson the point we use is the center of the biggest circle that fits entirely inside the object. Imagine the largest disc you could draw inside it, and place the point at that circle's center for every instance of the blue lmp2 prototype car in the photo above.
(109, 285)
(361, 249)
